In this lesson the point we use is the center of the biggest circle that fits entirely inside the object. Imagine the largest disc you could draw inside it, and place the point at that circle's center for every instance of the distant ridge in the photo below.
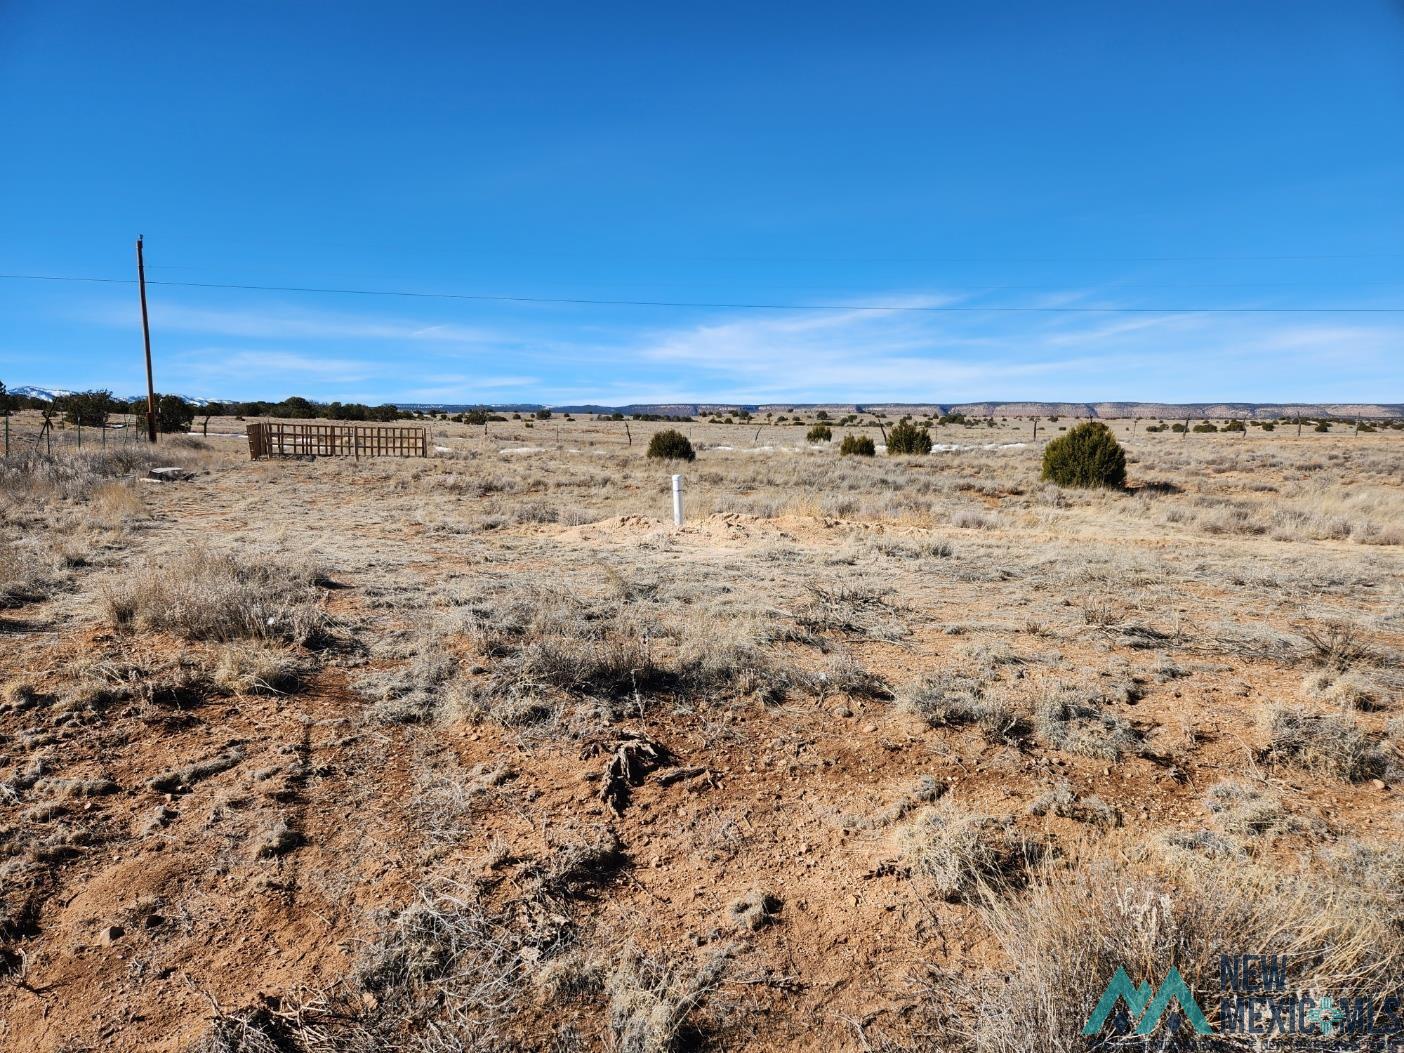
(1104, 410)
(1167, 410)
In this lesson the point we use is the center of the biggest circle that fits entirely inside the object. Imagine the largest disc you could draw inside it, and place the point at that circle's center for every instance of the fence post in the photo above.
(677, 501)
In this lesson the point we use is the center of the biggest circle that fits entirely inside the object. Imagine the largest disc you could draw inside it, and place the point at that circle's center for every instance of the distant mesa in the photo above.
(1103, 410)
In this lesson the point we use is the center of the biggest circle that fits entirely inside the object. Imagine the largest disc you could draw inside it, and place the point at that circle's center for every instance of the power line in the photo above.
(582, 301)
(982, 287)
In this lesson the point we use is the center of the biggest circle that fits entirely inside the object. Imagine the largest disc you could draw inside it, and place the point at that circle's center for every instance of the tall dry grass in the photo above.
(208, 595)
(1337, 923)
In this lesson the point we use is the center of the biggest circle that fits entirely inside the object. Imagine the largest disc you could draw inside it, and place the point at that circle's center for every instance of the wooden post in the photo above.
(146, 340)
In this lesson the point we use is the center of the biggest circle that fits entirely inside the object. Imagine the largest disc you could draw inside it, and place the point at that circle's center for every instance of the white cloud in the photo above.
(867, 351)
(471, 389)
(215, 363)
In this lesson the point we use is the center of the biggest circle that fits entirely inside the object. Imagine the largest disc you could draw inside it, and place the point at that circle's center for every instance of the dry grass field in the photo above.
(480, 752)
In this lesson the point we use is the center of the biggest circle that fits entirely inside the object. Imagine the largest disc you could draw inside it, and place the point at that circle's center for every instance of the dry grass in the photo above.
(256, 668)
(956, 852)
(1075, 720)
(1242, 810)
(27, 572)
(1071, 931)
(414, 829)
(35, 476)
(655, 1005)
(1332, 743)
(210, 595)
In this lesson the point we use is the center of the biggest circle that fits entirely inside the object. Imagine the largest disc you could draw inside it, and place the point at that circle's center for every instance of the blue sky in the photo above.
(1110, 155)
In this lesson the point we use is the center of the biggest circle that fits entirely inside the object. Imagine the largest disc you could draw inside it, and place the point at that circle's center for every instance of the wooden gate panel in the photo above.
(277, 439)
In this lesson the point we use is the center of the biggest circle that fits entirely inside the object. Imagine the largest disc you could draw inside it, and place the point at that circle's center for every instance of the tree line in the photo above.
(95, 408)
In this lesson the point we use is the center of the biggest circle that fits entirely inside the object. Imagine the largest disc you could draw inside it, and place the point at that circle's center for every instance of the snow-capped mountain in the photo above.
(47, 394)
(31, 391)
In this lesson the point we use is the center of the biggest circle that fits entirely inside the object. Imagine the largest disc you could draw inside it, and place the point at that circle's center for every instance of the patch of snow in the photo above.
(29, 391)
(523, 449)
(949, 447)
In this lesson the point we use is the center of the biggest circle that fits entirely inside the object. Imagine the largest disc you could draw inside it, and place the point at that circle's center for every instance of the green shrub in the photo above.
(908, 438)
(1235, 425)
(1089, 455)
(820, 433)
(1205, 427)
(857, 446)
(671, 445)
(173, 414)
(88, 407)
(1178, 428)
(1322, 426)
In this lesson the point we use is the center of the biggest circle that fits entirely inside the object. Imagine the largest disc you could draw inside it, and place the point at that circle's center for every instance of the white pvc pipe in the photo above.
(677, 501)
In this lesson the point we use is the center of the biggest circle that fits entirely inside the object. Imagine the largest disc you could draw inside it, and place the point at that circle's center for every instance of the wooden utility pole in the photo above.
(146, 339)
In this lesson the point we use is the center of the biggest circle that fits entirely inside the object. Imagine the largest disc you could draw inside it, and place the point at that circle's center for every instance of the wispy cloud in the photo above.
(287, 323)
(855, 353)
(472, 389)
(244, 364)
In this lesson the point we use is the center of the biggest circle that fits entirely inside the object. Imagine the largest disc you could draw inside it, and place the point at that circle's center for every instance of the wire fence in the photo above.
(30, 433)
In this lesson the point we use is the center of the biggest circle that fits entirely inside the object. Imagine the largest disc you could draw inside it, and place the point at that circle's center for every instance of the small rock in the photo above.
(843, 710)
(111, 934)
(1379, 784)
